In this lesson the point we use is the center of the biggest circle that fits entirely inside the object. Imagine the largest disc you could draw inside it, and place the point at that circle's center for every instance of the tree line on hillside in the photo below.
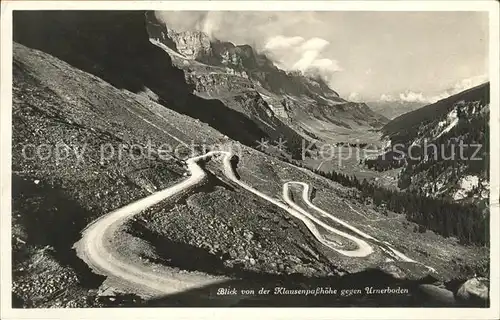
(453, 156)
(467, 222)
(387, 161)
(351, 144)
(465, 144)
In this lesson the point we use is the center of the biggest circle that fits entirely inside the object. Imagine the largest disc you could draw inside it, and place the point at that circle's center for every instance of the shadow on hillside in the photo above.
(207, 296)
(51, 219)
(234, 165)
(114, 46)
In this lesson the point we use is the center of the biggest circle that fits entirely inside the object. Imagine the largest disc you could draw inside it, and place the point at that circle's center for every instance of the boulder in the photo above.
(474, 291)
(436, 295)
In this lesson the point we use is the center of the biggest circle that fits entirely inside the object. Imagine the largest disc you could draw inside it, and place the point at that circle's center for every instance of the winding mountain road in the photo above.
(307, 200)
(94, 246)
(363, 248)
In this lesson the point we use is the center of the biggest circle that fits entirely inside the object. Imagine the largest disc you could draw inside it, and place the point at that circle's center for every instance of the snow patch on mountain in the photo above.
(452, 120)
(467, 184)
(165, 48)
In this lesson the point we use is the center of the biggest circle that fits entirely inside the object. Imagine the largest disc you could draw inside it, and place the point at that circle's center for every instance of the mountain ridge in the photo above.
(394, 108)
(296, 98)
(197, 45)
(432, 134)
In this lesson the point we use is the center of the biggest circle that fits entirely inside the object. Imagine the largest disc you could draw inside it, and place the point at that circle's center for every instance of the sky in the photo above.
(365, 56)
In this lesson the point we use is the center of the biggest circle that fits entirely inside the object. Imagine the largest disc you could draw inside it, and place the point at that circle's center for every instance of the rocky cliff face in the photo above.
(192, 44)
(115, 46)
(221, 69)
(194, 73)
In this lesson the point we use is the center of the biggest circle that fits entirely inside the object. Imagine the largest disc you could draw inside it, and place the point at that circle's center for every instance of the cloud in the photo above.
(326, 68)
(469, 83)
(306, 60)
(183, 21)
(210, 23)
(459, 86)
(326, 64)
(299, 54)
(387, 97)
(290, 53)
(281, 42)
(410, 96)
(314, 44)
(354, 96)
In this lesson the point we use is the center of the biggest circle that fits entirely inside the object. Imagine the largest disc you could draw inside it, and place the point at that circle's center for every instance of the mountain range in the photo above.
(228, 72)
(394, 108)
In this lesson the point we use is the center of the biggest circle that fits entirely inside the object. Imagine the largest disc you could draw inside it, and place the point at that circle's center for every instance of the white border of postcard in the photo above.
(230, 313)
